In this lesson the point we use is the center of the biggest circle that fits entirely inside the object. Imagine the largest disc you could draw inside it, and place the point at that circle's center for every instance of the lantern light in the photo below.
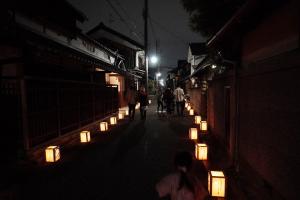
(120, 115)
(149, 101)
(126, 112)
(193, 134)
(103, 126)
(113, 120)
(191, 112)
(186, 104)
(85, 136)
(201, 151)
(203, 126)
(52, 154)
(216, 183)
(188, 108)
(197, 119)
(137, 106)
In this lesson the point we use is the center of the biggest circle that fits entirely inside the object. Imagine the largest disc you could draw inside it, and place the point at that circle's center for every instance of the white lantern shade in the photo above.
(52, 154)
(216, 183)
(201, 151)
(85, 136)
(150, 101)
(203, 126)
(103, 126)
(189, 108)
(137, 106)
(191, 112)
(121, 115)
(186, 104)
(193, 134)
(197, 119)
(113, 120)
(126, 112)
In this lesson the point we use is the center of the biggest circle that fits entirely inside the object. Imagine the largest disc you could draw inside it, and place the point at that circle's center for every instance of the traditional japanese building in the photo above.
(252, 99)
(53, 77)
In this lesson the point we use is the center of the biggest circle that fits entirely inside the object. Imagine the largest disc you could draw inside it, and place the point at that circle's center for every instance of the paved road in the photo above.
(124, 165)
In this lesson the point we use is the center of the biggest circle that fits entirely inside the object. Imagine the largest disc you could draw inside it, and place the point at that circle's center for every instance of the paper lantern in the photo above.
(216, 183)
(137, 106)
(197, 119)
(193, 134)
(203, 126)
(121, 115)
(52, 154)
(188, 108)
(113, 120)
(103, 126)
(126, 112)
(201, 151)
(191, 112)
(186, 104)
(85, 136)
(150, 101)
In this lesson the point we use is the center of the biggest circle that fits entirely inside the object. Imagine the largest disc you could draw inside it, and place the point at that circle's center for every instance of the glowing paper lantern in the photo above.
(150, 101)
(197, 119)
(193, 134)
(189, 108)
(137, 106)
(121, 115)
(216, 183)
(85, 136)
(52, 154)
(186, 104)
(203, 126)
(201, 151)
(191, 112)
(113, 120)
(126, 112)
(103, 126)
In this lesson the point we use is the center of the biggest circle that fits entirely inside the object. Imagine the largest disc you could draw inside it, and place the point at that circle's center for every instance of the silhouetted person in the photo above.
(131, 99)
(168, 98)
(159, 99)
(143, 99)
(181, 185)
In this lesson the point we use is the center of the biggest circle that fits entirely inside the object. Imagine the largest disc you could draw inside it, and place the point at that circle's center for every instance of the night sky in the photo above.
(169, 25)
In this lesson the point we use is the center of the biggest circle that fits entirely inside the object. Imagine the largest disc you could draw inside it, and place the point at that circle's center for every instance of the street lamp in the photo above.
(154, 59)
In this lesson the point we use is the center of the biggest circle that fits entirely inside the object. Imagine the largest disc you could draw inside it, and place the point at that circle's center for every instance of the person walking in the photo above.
(159, 99)
(182, 184)
(179, 98)
(168, 98)
(131, 99)
(143, 99)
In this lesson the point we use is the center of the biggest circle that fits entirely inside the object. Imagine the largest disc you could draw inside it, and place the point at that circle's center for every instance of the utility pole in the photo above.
(146, 41)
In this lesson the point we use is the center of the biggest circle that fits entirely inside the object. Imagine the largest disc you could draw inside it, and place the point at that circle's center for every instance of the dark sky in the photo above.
(169, 22)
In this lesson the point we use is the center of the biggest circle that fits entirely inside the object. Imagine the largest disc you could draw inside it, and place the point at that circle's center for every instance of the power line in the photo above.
(168, 31)
(132, 22)
(122, 19)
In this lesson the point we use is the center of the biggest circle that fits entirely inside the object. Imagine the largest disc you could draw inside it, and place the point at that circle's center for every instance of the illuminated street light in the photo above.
(158, 74)
(154, 59)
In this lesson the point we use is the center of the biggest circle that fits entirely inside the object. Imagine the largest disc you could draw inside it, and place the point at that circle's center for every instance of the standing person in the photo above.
(179, 98)
(159, 98)
(131, 99)
(183, 184)
(168, 98)
(143, 99)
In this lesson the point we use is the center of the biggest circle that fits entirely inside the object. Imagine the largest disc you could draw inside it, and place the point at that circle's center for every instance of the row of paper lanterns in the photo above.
(216, 179)
(52, 153)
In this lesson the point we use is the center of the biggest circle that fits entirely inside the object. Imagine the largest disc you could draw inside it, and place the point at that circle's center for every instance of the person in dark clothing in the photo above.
(143, 99)
(168, 98)
(159, 98)
(131, 99)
